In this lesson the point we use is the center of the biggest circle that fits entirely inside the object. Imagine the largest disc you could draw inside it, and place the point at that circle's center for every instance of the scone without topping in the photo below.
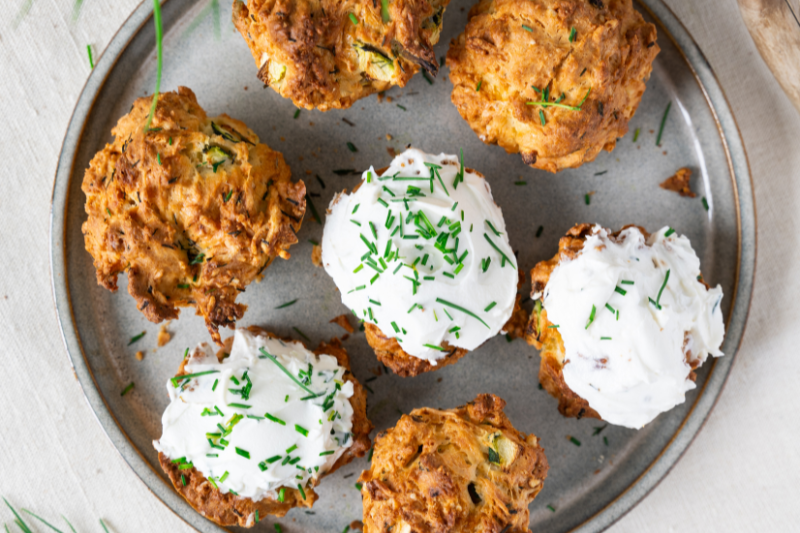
(592, 56)
(192, 210)
(464, 470)
(226, 507)
(326, 54)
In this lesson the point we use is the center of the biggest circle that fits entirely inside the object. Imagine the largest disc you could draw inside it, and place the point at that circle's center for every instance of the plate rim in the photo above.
(747, 236)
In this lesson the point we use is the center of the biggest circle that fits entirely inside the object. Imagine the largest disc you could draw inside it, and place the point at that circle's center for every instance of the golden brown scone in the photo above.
(464, 470)
(548, 339)
(232, 510)
(313, 52)
(390, 353)
(192, 210)
(519, 51)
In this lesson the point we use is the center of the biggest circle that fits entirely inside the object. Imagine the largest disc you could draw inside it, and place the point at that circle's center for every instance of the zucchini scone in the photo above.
(555, 80)
(622, 321)
(251, 431)
(420, 253)
(192, 209)
(464, 470)
(326, 54)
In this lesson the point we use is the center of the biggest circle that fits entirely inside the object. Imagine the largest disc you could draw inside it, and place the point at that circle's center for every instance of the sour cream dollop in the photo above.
(272, 431)
(633, 316)
(422, 252)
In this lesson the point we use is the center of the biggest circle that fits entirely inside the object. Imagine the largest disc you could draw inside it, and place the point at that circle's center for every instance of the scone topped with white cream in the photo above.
(251, 431)
(622, 320)
(420, 252)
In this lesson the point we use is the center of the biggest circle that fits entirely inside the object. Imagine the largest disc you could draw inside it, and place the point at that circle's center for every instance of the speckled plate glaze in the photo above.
(589, 486)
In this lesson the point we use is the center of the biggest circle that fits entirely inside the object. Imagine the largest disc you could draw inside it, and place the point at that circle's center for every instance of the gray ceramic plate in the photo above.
(589, 486)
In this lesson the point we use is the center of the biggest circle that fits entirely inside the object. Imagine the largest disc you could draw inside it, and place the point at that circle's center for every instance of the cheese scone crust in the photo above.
(192, 209)
(453, 471)
(590, 54)
(327, 54)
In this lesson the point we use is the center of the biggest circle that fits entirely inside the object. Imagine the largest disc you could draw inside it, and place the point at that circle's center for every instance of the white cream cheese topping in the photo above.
(248, 426)
(633, 315)
(422, 252)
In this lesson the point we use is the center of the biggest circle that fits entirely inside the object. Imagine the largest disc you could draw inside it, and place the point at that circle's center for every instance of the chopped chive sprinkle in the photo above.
(491, 227)
(661, 290)
(574, 441)
(329, 452)
(588, 199)
(591, 317)
(285, 371)
(240, 405)
(281, 495)
(620, 290)
(352, 147)
(478, 88)
(605, 338)
(553, 326)
(636, 134)
(504, 256)
(313, 208)
(626, 282)
(434, 347)
(177, 379)
(610, 308)
(490, 306)
(541, 118)
(243, 453)
(354, 19)
(291, 448)
(605, 440)
(669, 232)
(300, 429)
(127, 389)
(527, 28)
(274, 419)
(136, 337)
(705, 203)
(356, 208)
(553, 509)
(287, 304)
(463, 310)
(302, 492)
(663, 122)
(597, 430)
(520, 183)
(572, 33)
